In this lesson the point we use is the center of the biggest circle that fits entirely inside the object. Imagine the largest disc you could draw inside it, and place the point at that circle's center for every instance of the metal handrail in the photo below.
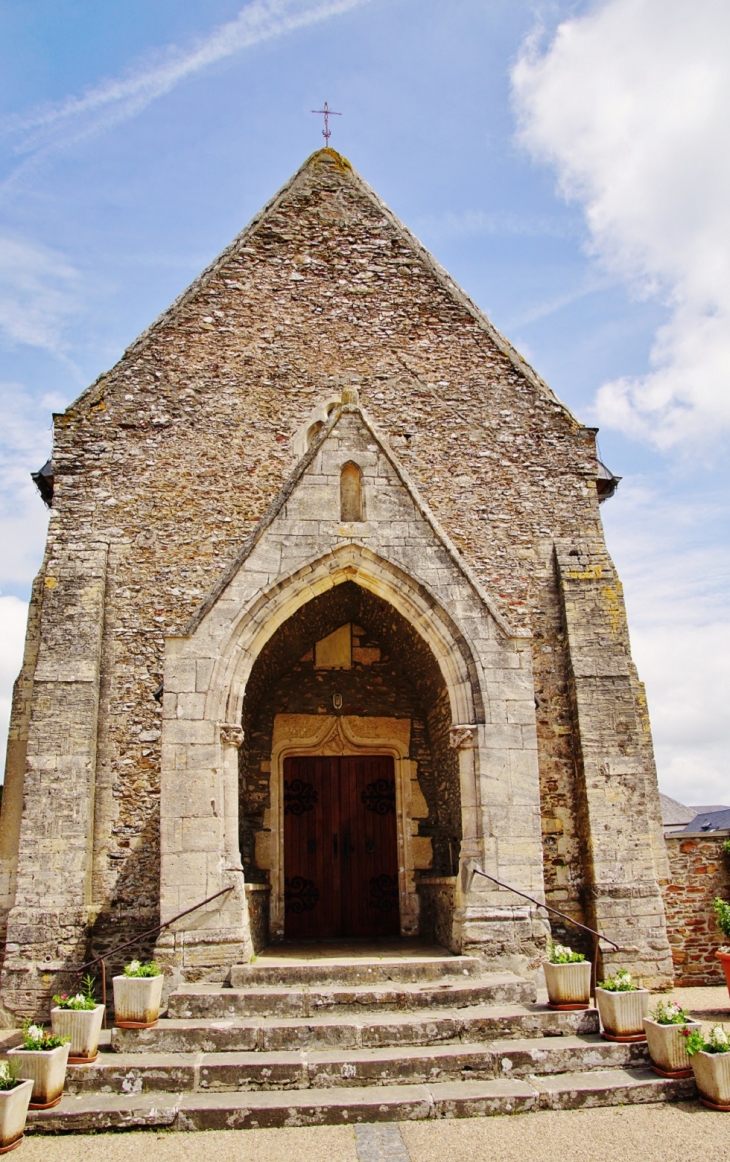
(549, 908)
(150, 932)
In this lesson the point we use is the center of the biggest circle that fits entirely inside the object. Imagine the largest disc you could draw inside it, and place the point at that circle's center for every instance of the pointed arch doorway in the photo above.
(340, 847)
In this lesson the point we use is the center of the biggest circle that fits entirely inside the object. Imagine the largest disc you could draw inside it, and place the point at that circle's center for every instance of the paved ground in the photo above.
(652, 1133)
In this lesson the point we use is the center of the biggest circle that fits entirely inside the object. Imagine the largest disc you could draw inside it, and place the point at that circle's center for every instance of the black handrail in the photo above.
(549, 908)
(150, 932)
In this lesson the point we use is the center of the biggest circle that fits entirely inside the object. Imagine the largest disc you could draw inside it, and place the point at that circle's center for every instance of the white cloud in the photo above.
(631, 104)
(39, 292)
(13, 617)
(25, 445)
(54, 127)
(676, 582)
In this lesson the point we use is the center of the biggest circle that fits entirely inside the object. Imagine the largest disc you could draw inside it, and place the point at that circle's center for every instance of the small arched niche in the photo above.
(351, 493)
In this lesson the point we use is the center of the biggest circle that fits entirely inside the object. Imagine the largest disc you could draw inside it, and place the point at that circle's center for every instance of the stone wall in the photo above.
(699, 871)
(170, 460)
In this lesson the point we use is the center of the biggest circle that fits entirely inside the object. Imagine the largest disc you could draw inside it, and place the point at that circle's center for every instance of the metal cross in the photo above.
(327, 113)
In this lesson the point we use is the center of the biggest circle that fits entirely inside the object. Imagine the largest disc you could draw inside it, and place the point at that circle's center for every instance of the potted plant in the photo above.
(78, 1017)
(622, 1006)
(137, 996)
(722, 915)
(568, 978)
(42, 1058)
(14, 1097)
(665, 1028)
(710, 1057)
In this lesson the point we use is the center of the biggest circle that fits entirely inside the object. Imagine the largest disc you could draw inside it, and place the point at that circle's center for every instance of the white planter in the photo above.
(13, 1112)
(83, 1026)
(667, 1047)
(622, 1014)
(137, 1001)
(568, 985)
(712, 1074)
(46, 1068)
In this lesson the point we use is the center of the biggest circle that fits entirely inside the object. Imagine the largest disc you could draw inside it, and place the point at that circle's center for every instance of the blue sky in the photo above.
(563, 160)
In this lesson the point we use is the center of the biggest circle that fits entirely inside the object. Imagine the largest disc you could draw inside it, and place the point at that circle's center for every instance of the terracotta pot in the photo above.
(712, 1074)
(667, 1047)
(13, 1112)
(724, 958)
(622, 1014)
(46, 1068)
(137, 1001)
(568, 985)
(83, 1026)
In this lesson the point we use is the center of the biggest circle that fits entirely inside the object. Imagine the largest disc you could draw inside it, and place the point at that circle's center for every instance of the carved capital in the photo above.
(231, 734)
(462, 737)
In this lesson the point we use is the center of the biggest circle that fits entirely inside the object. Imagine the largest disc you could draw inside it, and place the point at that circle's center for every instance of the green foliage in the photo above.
(716, 1041)
(722, 916)
(82, 1001)
(726, 847)
(35, 1037)
(137, 968)
(9, 1074)
(561, 954)
(620, 982)
(669, 1013)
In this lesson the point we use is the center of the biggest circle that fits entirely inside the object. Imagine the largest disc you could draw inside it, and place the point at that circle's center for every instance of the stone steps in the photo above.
(270, 1034)
(310, 1000)
(243, 1072)
(361, 971)
(349, 1105)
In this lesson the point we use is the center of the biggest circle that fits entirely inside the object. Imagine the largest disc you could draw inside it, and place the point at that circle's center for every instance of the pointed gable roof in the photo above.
(328, 168)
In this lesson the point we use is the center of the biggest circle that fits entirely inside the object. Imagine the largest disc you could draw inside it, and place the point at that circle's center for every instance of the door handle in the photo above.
(335, 846)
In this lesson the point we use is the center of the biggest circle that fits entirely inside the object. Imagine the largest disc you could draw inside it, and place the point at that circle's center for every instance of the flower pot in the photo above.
(667, 1047)
(83, 1026)
(13, 1112)
(622, 1014)
(712, 1074)
(568, 985)
(724, 958)
(46, 1068)
(137, 1001)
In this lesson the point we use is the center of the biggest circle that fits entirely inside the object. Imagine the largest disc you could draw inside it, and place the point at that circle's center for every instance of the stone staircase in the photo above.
(326, 1042)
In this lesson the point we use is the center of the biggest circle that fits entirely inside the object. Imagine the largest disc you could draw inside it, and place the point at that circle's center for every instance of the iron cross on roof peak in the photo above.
(327, 113)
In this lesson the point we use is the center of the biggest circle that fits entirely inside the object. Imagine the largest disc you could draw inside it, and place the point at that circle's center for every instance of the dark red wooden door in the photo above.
(340, 848)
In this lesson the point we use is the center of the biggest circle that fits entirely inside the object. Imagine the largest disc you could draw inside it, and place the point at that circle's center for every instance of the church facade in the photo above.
(326, 621)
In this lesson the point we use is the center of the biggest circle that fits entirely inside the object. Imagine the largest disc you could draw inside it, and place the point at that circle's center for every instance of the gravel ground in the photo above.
(643, 1133)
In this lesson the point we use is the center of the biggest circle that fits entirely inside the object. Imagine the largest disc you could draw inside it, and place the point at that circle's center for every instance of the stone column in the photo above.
(617, 777)
(199, 848)
(48, 924)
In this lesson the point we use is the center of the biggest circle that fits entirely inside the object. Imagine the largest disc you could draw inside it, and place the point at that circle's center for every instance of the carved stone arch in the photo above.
(258, 622)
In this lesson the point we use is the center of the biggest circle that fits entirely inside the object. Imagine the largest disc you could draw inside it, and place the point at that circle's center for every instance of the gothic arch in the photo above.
(252, 628)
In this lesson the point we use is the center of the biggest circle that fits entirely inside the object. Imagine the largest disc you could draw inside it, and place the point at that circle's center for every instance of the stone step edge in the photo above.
(377, 969)
(540, 1055)
(348, 1106)
(437, 985)
(440, 1026)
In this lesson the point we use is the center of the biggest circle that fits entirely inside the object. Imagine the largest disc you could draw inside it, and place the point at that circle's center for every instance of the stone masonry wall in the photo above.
(698, 873)
(171, 458)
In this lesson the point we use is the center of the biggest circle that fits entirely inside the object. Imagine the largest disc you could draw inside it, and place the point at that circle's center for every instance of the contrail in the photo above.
(54, 127)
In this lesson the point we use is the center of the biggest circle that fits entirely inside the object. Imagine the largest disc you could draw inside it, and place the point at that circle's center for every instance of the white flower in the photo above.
(4, 1071)
(35, 1033)
(719, 1036)
(79, 998)
(133, 966)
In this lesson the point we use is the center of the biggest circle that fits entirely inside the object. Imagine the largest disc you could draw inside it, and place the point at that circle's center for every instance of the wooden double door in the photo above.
(340, 847)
